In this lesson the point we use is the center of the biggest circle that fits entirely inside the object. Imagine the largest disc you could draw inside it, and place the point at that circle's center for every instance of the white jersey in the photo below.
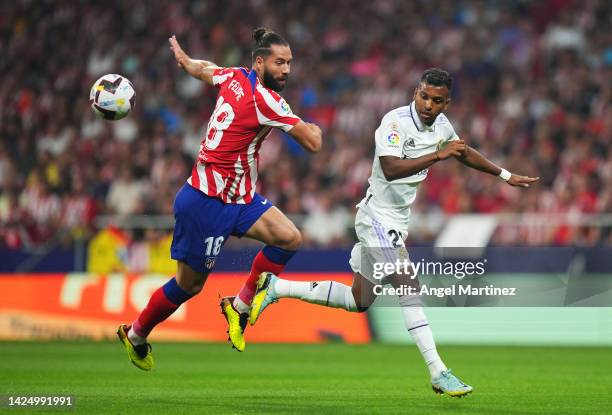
(402, 134)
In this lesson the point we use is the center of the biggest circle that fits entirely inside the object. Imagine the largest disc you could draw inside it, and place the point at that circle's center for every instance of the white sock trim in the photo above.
(135, 338)
(240, 305)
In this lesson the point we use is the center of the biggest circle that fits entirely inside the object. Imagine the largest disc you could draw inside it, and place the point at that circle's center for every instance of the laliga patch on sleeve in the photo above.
(285, 107)
(393, 139)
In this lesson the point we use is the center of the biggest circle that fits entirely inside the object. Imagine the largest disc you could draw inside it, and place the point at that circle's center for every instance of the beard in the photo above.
(272, 83)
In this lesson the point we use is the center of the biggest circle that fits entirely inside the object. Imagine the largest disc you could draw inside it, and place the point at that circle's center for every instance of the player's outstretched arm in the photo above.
(397, 168)
(197, 68)
(308, 135)
(476, 160)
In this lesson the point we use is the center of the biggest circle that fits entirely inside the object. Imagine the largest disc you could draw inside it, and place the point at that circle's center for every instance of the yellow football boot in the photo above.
(140, 355)
(264, 295)
(236, 323)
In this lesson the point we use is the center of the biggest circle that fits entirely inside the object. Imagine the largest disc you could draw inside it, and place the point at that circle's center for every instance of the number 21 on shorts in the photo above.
(397, 238)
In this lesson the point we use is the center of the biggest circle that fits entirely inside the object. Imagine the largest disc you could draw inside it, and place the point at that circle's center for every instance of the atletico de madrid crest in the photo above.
(210, 263)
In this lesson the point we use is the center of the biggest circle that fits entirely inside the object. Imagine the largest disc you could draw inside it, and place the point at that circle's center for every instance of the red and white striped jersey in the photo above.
(244, 114)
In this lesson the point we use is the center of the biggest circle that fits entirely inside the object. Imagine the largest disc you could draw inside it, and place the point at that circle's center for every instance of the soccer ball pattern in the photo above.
(112, 97)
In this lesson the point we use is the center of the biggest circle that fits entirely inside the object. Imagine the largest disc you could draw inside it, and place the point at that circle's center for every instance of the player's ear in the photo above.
(259, 62)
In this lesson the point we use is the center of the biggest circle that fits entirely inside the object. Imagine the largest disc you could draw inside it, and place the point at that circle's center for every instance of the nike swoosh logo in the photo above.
(264, 202)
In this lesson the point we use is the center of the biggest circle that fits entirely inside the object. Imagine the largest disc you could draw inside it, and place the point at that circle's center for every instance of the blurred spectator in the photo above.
(327, 224)
(126, 193)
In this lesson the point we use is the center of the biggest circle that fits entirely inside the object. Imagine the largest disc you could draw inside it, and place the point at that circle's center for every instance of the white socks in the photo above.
(327, 293)
(418, 327)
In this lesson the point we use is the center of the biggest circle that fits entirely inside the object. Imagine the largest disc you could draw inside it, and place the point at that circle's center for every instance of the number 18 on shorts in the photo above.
(204, 223)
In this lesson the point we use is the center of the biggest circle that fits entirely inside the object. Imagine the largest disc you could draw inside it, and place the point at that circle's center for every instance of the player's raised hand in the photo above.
(199, 69)
(181, 57)
(521, 181)
(453, 149)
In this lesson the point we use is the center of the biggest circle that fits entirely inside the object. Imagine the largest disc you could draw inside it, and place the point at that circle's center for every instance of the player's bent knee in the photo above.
(289, 239)
(296, 240)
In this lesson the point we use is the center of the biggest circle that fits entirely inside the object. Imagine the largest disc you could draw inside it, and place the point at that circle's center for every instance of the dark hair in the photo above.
(264, 39)
(437, 77)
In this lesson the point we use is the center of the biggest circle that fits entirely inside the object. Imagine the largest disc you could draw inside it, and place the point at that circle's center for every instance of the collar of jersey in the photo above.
(251, 76)
(417, 121)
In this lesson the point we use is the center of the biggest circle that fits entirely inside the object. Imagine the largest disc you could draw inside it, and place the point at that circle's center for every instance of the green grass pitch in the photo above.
(306, 379)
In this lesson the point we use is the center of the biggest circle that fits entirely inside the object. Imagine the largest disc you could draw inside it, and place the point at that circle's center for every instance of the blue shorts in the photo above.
(203, 225)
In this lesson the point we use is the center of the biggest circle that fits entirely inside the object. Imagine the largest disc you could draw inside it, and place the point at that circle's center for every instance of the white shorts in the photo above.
(378, 244)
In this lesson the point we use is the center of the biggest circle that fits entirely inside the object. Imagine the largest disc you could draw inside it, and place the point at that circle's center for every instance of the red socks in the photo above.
(260, 264)
(269, 259)
(164, 301)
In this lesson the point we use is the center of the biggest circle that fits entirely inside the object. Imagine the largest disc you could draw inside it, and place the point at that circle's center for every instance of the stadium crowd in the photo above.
(533, 87)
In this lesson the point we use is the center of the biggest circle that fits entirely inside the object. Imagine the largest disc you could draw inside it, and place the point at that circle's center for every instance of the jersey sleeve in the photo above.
(273, 110)
(389, 137)
(450, 135)
(222, 75)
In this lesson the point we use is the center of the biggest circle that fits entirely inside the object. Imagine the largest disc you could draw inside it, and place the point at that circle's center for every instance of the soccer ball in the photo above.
(112, 97)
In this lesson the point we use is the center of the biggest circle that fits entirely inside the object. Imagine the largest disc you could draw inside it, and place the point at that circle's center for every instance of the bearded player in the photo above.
(219, 198)
(409, 140)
